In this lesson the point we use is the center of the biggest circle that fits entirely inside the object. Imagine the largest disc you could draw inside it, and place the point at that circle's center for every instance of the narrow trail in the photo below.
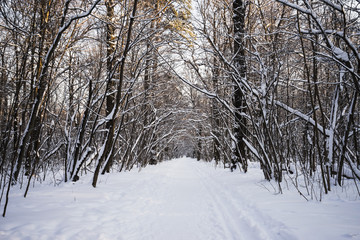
(177, 200)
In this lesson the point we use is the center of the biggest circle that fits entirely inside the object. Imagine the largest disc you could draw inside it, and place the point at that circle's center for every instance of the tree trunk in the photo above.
(108, 143)
(239, 154)
(111, 87)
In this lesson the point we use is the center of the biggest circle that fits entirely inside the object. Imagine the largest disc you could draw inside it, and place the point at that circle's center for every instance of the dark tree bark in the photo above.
(110, 50)
(111, 87)
(239, 154)
(108, 146)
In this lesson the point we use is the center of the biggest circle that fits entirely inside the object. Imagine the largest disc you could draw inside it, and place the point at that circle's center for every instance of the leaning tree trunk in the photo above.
(108, 146)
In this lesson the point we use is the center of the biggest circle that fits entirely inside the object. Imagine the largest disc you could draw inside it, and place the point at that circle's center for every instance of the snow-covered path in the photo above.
(186, 203)
(179, 199)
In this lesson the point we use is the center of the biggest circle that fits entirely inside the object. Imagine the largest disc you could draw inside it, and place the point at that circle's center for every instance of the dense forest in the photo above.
(95, 86)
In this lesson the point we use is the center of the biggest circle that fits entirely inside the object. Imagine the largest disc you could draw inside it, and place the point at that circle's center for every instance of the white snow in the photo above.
(179, 199)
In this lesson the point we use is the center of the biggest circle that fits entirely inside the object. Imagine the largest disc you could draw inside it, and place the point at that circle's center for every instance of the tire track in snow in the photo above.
(247, 220)
(235, 226)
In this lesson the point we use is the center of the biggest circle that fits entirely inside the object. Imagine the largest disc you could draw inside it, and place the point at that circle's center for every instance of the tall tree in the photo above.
(107, 151)
(239, 77)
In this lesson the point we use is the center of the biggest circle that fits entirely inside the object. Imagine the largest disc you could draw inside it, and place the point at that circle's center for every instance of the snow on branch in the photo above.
(303, 117)
(251, 148)
(333, 5)
(294, 6)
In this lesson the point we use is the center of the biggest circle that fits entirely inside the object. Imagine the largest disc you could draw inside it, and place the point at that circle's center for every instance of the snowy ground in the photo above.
(179, 199)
